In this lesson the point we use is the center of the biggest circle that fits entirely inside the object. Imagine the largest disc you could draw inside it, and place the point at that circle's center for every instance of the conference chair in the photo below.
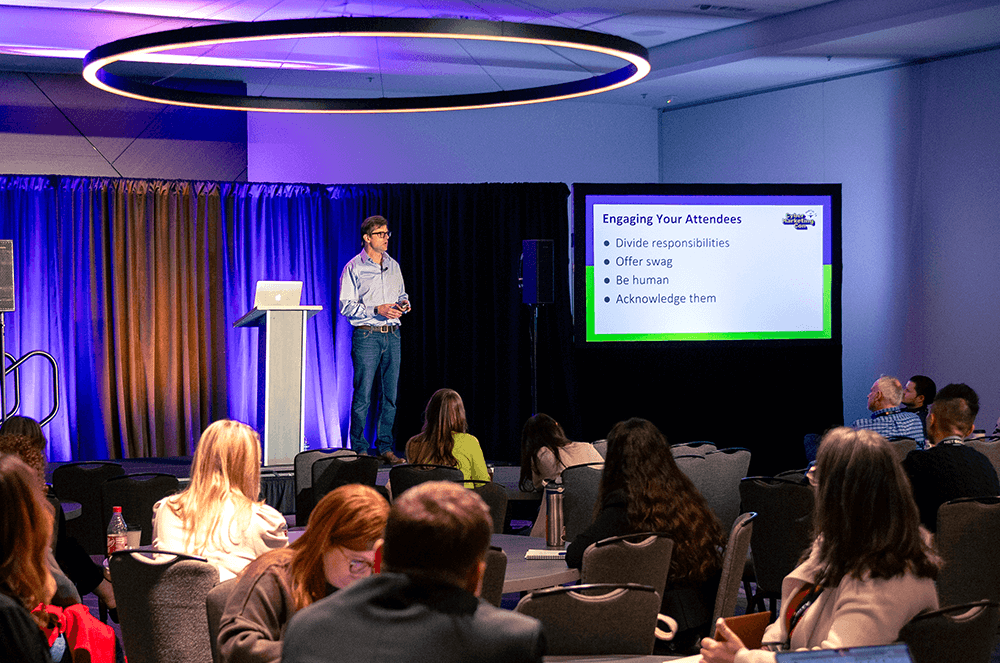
(602, 448)
(302, 464)
(782, 532)
(902, 446)
(955, 634)
(692, 448)
(161, 600)
(496, 499)
(336, 470)
(81, 482)
(717, 476)
(989, 447)
(968, 530)
(799, 476)
(580, 488)
(733, 562)
(404, 477)
(494, 576)
(215, 605)
(136, 494)
(604, 618)
(641, 559)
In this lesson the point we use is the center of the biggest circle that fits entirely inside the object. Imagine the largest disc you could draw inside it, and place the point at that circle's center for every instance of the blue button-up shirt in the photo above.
(892, 422)
(364, 284)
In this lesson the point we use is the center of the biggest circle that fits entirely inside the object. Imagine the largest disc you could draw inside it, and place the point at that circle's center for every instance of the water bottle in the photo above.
(117, 532)
(554, 512)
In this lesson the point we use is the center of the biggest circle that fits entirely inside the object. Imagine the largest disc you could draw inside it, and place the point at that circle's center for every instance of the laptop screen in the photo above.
(896, 653)
(277, 294)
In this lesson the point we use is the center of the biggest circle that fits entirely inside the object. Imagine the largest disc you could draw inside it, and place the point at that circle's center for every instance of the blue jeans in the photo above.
(371, 352)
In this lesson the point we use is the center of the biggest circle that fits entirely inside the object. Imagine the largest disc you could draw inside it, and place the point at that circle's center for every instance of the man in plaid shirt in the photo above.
(887, 419)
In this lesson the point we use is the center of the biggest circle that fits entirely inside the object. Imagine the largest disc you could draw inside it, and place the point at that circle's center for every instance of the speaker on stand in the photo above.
(537, 288)
(6, 306)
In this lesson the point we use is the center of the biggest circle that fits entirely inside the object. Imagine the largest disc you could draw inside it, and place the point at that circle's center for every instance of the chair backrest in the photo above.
(496, 499)
(902, 446)
(955, 634)
(595, 619)
(798, 476)
(404, 477)
(782, 530)
(336, 470)
(302, 463)
(602, 448)
(580, 487)
(215, 605)
(717, 477)
(493, 577)
(989, 447)
(136, 494)
(692, 448)
(81, 482)
(733, 562)
(967, 533)
(642, 559)
(161, 605)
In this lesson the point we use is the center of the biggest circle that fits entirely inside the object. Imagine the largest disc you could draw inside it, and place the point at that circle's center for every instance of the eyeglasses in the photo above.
(360, 566)
(384, 233)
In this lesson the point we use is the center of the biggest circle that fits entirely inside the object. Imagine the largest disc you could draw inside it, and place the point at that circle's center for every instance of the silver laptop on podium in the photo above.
(277, 294)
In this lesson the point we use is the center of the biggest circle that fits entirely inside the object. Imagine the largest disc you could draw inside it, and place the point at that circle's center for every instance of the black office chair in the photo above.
(404, 477)
(136, 494)
(496, 499)
(82, 482)
(335, 471)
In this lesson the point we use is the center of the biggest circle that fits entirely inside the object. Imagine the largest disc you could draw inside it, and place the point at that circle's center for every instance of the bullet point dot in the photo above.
(607, 243)
(607, 280)
(607, 299)
(607, 262)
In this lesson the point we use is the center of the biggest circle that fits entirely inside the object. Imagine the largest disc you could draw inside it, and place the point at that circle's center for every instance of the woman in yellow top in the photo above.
(444, 441)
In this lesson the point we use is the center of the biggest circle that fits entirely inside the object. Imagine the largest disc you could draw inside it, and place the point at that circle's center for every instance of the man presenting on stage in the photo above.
(373, 298)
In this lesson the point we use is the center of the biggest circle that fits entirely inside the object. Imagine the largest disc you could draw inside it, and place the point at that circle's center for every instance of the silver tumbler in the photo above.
(554, 509)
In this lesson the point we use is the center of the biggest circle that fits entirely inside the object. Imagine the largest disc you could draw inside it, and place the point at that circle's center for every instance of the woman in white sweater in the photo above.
(870, 569)
(219, 516)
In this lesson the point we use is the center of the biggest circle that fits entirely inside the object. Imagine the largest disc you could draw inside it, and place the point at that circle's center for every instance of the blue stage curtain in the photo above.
(134, 286)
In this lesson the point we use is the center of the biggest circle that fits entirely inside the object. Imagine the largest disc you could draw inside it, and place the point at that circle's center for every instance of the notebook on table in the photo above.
(896, 653)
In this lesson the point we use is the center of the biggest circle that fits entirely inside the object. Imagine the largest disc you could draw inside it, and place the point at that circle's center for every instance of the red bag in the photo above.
(88, 639)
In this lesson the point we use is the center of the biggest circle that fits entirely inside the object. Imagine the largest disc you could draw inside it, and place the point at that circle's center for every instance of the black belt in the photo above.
(383, 329)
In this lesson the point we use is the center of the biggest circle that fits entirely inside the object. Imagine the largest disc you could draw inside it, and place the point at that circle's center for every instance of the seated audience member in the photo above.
(444, 439)
(423, 606)
(25, 580)
(218, 516)
(337, 548)
(643, 490)
(870, 569)
(887, 419)
(26, 426)
(545, 453)
(918, 396)
(948, 469)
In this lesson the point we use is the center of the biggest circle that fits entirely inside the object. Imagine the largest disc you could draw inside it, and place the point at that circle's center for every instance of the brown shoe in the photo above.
(391, 458)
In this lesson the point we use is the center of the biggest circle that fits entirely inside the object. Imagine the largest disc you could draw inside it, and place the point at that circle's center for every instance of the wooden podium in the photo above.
(281, 362)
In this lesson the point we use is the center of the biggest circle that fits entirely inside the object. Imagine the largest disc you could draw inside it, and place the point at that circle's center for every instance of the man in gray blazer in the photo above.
(423, 606)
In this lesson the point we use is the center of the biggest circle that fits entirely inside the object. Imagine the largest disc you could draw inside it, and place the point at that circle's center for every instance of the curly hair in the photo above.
(18, 425)
(27, 450)
(661, 498)
(865, 518)
(444, 415)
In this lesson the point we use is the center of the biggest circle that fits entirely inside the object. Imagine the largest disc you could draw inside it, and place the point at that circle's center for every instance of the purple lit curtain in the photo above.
(134, 286)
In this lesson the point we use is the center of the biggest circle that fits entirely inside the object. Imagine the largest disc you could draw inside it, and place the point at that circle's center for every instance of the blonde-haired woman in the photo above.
(337, 548)
(25, 580)
(218, 516)
(444, 439)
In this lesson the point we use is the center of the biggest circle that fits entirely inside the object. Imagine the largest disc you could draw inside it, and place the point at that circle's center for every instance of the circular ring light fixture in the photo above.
(635, 57)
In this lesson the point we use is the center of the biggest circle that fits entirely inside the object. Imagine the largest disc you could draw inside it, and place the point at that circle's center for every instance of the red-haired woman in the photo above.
(337, 548)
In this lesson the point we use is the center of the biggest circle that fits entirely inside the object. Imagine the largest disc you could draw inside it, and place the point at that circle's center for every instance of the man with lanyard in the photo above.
(948, 469)
(373, 298)
(887, 419)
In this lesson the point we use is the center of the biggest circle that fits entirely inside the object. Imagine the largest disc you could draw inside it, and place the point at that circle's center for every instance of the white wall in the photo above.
(553, 142)
(915, 150)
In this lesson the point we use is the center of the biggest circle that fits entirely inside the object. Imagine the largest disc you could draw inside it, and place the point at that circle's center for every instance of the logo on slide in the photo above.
(800, 221)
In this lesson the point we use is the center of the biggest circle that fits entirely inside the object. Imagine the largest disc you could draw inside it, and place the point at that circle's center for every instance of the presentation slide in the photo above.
(708, 267)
